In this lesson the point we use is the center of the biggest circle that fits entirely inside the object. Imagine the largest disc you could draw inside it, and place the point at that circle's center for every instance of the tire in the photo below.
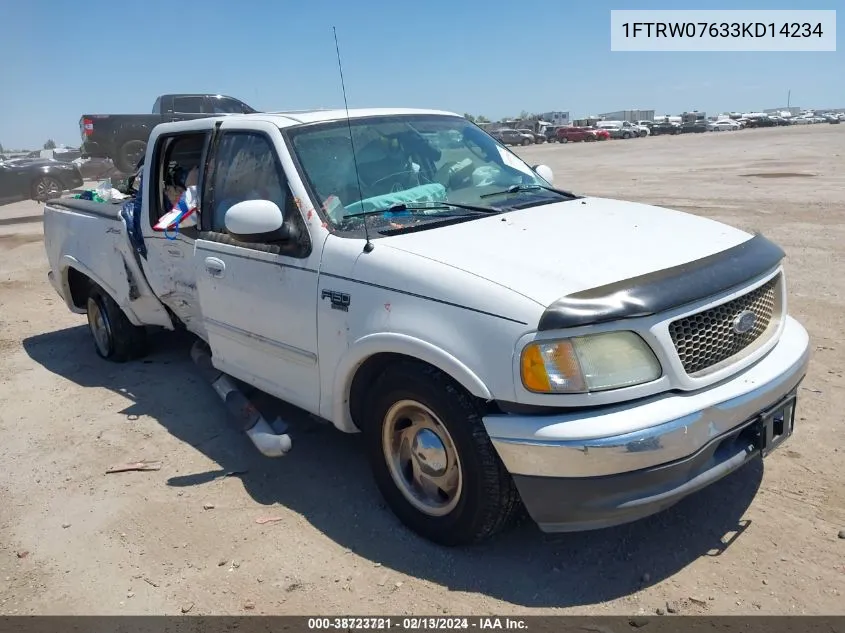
(46, 188)
(525, 141)
(626, 136)
(484, 500)
(128, 155)
(115, 337)
(563, 140)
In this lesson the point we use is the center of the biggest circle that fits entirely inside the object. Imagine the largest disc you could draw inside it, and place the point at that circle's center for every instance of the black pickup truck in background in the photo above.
(123, 137)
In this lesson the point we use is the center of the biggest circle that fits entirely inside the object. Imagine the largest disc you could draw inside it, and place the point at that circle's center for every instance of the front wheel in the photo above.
(432, 458)
(46, 188)
(116, 338)
(525, 141)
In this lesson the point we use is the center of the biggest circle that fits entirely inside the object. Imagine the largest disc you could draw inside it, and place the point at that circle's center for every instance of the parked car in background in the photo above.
(509, 136)
(572, 134)
(762, 121)
(695, 127)
(123, 137)
(601, 135)
(644, 130)
(834, 119)
(665, 127)
(538, 138)
(724, 125)
(551, 133)
(39, 179)
(619, 129)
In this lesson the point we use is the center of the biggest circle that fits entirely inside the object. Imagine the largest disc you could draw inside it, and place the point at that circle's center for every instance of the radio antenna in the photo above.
(369, 246)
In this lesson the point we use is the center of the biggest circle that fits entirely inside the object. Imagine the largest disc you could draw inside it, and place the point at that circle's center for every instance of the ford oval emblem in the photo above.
(744, 322)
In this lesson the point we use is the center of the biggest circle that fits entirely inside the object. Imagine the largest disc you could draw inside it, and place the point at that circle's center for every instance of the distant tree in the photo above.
(482, 119)
(50, 144)
(469, 117)
(1, 148)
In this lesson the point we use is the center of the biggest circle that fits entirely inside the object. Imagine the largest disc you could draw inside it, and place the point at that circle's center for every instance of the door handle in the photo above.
(215, 267)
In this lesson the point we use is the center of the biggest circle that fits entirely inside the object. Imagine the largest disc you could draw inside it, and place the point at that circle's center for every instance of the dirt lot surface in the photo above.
(185, 538)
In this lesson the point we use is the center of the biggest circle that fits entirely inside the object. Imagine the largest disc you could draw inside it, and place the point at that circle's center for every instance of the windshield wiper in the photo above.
(425, 206)
(519, 188)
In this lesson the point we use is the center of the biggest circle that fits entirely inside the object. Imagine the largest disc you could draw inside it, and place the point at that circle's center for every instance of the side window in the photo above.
(187, 104)
(177, 165)
(245, 168)
(224, 106)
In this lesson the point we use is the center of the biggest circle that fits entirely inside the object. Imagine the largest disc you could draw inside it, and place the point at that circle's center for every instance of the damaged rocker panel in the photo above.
(665, 289)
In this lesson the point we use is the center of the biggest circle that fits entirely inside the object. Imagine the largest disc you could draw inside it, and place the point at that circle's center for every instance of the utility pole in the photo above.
(788, 95)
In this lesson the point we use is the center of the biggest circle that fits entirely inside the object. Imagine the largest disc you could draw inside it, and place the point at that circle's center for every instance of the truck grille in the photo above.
(707, 338)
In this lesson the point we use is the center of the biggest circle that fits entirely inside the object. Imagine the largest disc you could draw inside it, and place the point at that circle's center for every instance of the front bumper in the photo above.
(569, 482)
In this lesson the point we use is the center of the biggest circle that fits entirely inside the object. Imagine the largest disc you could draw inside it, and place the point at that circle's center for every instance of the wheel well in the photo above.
(79, 285)
(370, 369)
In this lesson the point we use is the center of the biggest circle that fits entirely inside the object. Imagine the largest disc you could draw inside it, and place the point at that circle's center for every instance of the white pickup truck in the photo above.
(500, 343)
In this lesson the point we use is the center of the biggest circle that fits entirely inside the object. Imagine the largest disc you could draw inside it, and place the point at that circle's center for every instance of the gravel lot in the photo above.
(74, 540)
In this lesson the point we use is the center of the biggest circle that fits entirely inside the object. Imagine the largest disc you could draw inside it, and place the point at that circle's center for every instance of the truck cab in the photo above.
(499, 342)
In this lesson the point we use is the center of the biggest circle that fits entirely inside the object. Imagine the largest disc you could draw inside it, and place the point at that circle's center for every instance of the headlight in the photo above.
(588, 363)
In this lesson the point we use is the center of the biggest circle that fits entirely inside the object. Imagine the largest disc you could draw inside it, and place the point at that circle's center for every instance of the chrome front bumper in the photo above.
(680, 423)
(577, 483)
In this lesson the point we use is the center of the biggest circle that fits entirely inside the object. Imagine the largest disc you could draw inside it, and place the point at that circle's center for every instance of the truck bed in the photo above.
(89, 241)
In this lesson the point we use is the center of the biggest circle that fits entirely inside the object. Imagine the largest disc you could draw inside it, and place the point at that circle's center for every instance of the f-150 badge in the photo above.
(339, 300)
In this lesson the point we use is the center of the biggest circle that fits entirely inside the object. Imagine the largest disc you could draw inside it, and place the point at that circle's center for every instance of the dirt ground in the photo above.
(74, 540)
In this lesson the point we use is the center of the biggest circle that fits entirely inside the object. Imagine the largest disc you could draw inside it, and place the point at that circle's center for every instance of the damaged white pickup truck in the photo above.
(500, 343)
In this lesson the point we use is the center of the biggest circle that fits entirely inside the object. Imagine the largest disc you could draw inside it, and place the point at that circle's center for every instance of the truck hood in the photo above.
(549, 251)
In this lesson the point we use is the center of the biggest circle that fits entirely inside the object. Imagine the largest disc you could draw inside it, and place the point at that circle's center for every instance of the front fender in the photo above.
(393, 342)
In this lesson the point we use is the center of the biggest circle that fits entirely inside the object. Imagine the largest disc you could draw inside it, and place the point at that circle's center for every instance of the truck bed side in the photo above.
(89, 242)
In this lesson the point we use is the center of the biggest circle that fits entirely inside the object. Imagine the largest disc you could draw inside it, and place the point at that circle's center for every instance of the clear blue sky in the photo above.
(63, 58)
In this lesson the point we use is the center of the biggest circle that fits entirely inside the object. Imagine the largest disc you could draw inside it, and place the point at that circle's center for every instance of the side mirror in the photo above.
(256, 221)
(545, 172)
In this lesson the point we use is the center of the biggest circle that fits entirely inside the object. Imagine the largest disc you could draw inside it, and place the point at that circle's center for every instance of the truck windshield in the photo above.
(408, 160)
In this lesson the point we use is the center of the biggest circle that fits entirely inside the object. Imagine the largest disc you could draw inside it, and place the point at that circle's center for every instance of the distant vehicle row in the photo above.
(604, 130)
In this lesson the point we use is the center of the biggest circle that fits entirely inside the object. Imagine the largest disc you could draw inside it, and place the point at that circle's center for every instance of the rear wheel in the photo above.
(116, 338)
(432, 458)
(129, 155)
(525, 141)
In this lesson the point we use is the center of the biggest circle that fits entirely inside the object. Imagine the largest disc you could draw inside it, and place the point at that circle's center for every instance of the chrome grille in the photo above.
(706, 339)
